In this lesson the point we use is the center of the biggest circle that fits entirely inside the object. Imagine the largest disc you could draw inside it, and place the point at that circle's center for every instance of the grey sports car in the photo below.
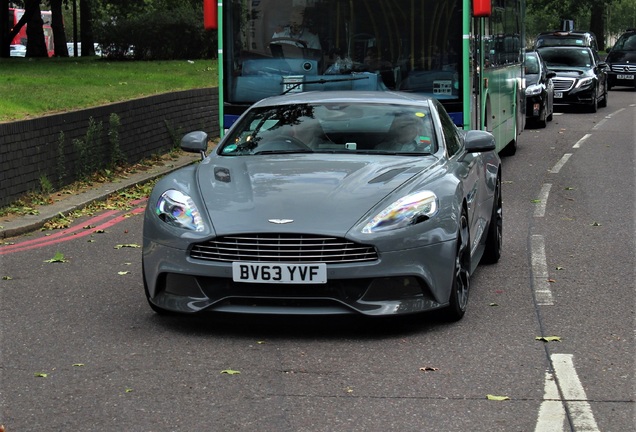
(327, 203)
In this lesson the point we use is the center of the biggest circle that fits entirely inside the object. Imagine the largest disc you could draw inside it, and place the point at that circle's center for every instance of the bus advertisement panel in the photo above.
(468, 58)
(21, 37)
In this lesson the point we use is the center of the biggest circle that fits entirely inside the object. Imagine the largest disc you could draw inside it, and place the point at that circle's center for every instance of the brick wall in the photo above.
(60, 148)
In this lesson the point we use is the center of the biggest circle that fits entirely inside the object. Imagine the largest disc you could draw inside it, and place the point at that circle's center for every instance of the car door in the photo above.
(601, 74)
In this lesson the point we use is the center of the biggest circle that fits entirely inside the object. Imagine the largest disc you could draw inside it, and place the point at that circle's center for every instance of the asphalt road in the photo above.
(80, 350)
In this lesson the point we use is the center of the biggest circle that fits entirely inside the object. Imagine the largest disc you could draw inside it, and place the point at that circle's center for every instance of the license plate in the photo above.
(293, 83)
(279, 273)
(558, 95)
(627, 77)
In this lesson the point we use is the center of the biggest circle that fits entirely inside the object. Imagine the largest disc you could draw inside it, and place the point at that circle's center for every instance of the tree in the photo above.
(36, 45)
(57, 24)
(86, 28)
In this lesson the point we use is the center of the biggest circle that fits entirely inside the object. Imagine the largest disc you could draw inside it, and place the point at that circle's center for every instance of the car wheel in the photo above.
(494, 236)
(461, 277)
(603, 103)
(594, 106)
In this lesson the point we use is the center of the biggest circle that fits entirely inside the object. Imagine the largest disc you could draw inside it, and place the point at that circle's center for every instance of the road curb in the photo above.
(24, 224)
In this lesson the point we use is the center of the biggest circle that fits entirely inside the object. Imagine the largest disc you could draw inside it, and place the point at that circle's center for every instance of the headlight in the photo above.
(177, 209)
(584, 82)
(533, 89)
(404, 212)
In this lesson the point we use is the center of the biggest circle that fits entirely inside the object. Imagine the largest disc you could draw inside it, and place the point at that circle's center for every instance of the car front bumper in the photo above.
(414, 280)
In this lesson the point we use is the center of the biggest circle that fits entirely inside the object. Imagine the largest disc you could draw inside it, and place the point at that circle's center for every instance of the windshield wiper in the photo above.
(322, 81)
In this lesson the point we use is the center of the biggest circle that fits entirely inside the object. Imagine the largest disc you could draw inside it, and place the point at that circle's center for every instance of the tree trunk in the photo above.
(57, 24)
(86, 28)
(4, 29)
(36, 45)
(597, 23)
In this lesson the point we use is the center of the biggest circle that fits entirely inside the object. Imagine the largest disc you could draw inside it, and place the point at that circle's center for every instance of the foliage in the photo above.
(161, 34)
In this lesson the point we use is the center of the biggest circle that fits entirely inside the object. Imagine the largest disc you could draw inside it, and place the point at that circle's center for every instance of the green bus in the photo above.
(467, 54)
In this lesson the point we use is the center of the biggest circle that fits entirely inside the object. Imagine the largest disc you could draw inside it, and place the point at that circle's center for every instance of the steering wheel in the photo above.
(287, 143)
(290, 41)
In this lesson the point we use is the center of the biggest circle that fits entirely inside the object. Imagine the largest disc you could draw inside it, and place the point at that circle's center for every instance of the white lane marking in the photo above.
(579, 142)
(607, 117)
(539, 210)
(540, 275)
(573, 393)
(551, 412)
(560, 164)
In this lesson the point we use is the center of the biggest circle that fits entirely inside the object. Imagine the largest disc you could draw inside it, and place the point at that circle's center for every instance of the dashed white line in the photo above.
(560, 164)
(540, 276)
(579, 142)
(607, 117)
(551, 412)
(539, 210)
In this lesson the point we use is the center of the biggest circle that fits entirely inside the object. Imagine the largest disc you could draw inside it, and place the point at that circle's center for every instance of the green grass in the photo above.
(34, 87)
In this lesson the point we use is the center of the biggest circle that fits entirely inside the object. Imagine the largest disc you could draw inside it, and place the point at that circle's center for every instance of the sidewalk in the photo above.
(15, 226)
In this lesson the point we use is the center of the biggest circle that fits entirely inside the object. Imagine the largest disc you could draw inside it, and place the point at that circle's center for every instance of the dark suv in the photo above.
(622, 61)
(567, 38)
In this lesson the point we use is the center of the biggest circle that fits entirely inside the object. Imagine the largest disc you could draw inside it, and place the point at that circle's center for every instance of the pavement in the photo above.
(12, 226)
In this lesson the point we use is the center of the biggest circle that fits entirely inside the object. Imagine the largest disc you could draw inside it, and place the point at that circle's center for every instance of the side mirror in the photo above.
(195, 142)
(476, 141)
(550, 74)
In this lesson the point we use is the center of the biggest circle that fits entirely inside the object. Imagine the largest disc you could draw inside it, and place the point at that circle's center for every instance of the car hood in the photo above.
(621, 57)
(316, 192)
(573, 72)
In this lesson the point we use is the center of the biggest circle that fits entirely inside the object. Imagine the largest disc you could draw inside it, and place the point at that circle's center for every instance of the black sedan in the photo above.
(539, 90)
(581, 76)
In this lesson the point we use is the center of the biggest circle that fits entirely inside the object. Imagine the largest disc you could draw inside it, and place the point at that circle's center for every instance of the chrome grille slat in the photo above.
(628, 68)
(563, 84)
(283, 247)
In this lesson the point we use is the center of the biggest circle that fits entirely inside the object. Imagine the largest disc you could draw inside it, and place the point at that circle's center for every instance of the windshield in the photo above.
(626, 43)
(352, 128)
(273, 46)
(567, 57)
(532, 64)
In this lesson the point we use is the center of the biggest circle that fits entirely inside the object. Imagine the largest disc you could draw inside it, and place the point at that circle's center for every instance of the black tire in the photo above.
(603, 103)
(461, 275)
(594, 106)
(494, 236)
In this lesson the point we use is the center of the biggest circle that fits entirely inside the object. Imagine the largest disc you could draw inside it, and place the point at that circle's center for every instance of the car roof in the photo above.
(349, 96)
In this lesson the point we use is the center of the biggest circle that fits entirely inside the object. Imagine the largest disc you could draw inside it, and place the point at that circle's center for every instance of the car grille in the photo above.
(624, 68)
(563, 84)
(283, 248)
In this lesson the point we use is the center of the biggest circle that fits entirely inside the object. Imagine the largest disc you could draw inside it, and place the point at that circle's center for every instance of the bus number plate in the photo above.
(293, 84)
(279, 273)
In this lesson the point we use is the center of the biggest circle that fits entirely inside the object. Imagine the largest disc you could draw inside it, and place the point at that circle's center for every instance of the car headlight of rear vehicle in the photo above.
(533, 90)
(584, 82)
(406, 211)
(177, 209)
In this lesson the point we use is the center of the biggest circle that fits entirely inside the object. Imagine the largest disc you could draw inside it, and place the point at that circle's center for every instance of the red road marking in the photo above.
(70, 234)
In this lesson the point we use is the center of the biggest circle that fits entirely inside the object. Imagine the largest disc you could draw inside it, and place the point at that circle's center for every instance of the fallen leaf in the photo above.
(548, 338)
(595, 224)
(41, 374)
(536, 201)
(569, 188)
(128, 390)
(493, 304)
(129, 245)
(7, 278)
(57, 258)
(559, 268)
(497, 398)
(78, 364)
(429, 369)
(121, 273)
(230, 372)
(100, 231)
(551, 280)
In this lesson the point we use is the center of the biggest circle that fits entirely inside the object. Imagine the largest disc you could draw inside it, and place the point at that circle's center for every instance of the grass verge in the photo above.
(34, 87)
